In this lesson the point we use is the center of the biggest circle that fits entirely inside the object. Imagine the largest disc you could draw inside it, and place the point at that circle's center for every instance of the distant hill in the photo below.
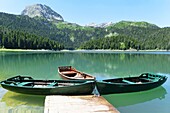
(140, 30)
(124, 24)
(74, 36)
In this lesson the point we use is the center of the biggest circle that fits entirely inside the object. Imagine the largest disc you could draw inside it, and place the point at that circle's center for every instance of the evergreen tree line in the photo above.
(112, 42)
(122, 42)
(12, 39)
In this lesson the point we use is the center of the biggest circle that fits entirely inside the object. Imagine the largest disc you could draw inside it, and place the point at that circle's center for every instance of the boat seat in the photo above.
(150, 80)
(53, 84)
(151, 77)
(78, 75)
(14, 83)
(23, 83)
(66, 84)
(69, 72)
(129, 82)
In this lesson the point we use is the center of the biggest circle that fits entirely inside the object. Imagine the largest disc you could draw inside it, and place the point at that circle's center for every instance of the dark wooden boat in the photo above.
(70, 73)
(143, 82)
(27, 85)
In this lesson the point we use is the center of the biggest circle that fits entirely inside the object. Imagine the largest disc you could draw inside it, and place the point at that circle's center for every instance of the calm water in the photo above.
(43, 65)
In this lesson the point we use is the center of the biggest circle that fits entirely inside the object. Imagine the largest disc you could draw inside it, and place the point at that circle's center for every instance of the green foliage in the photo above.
(122, 35)
(148, 35)
(12, 39)
(122, 46)
(111, 42)
(62, 32)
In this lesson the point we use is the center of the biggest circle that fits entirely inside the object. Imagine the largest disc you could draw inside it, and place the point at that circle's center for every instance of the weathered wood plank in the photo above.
(78, 104)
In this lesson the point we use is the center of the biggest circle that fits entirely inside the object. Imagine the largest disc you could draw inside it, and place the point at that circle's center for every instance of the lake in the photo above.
(102, 64)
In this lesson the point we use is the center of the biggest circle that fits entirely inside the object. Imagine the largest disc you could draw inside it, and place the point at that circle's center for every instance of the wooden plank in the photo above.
(68, 72)
(78, 104)
(127, 81)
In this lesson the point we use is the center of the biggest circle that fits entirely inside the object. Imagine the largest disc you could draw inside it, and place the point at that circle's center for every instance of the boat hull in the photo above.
(83, 89)
(104, 87)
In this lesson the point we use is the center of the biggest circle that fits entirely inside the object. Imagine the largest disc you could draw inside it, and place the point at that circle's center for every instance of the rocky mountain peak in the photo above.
(43, 11)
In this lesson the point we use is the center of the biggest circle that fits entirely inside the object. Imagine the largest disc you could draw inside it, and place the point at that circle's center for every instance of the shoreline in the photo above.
(79, 50)
(22, 50)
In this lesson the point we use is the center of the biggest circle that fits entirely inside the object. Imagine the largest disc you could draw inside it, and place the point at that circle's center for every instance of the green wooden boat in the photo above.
(27, 85)
(143, 82)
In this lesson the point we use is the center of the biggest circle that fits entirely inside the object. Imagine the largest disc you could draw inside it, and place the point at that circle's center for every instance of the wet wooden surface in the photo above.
(78, 104)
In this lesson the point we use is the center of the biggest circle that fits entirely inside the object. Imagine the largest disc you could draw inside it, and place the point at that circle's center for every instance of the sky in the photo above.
(99, 11)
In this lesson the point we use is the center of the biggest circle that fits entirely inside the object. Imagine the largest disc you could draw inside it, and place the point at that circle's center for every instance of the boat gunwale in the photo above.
(73, 82)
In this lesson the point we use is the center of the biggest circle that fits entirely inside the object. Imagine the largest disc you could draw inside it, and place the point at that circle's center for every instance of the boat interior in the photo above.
(43, 83)
(130, 80)
(69, 73)
(75, 74)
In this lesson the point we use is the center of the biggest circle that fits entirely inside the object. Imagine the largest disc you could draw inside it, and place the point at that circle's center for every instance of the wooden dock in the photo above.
(78, 104)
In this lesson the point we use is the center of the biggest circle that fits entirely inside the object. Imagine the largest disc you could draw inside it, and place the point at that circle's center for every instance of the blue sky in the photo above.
(98, 11)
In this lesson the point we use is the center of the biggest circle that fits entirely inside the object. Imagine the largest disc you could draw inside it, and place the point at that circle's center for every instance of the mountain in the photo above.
(68, 34)
(72, 36)
(42, 11)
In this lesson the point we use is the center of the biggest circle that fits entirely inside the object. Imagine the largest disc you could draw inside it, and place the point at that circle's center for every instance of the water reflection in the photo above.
(120, 100)
(113, 64)
(16, 99)
(38, 65)
(44, 65)
(19, 103)
(20, 109)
